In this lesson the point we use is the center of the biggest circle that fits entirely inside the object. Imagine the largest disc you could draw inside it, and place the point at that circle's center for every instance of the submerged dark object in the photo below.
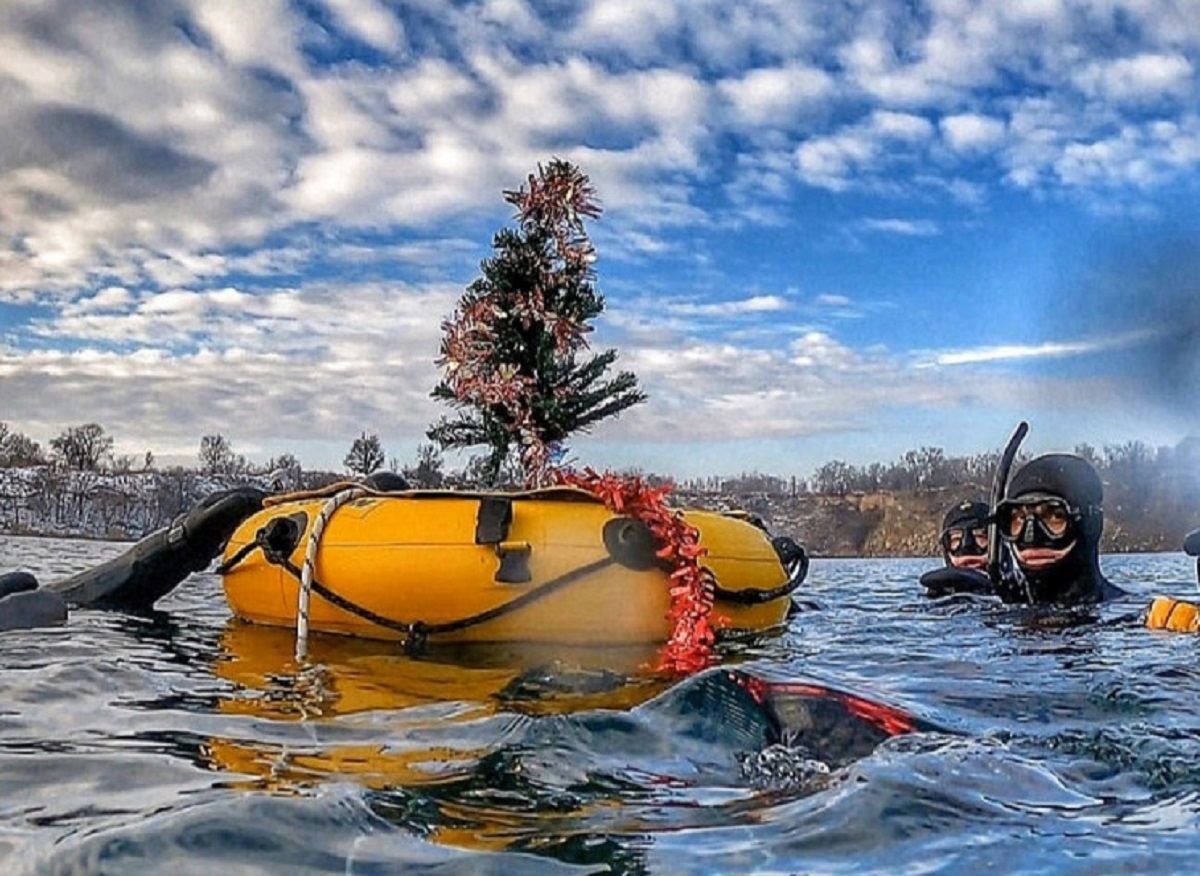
(154, 566)
(750, 713)
(943, 582)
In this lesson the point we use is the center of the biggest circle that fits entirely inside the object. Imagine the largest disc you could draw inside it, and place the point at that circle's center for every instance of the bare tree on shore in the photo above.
(366, 455)
(83, 447)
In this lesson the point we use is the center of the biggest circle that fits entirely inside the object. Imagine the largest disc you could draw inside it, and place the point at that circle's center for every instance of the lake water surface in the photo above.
(185, 742)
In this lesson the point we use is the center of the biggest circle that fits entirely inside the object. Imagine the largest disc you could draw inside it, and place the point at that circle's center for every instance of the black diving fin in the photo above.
(24, 609)
(156, 565)
(943, 582)
(23, 606)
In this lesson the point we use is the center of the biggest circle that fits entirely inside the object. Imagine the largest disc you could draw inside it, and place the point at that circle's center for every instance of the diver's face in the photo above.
(1042, 532)
(966, 546)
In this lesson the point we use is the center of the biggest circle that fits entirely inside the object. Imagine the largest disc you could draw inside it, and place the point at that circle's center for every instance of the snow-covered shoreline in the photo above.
(49, 501)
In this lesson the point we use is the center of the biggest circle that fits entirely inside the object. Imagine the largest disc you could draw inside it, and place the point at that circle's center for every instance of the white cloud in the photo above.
(857, 152)
(901, 126)
(371, 22)
(776, 96)
(753, 304)
(830, 300)
(829, 162)
(1047, 349)
(161, 162)
(706, 390)
(903, 227)
(630, 25)
(145, 153)
(515, 16)
(108, 298)
(817, 349)
(202, 360)
(970, 131)
(1144, 77)
(264, 33)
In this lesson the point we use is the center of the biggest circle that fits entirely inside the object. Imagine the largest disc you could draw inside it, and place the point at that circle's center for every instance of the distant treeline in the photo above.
(1134, 473)
(1127, 469)
(89, 448)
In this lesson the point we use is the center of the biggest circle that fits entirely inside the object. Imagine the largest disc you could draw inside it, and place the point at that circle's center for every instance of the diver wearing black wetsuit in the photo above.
(964, 542)
(142, 575)
(1052, 518)
(964, 538)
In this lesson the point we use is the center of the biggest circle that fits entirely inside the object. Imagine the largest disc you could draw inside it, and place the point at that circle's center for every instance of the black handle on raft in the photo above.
(999, 485)
(631, 543)
(794, 559)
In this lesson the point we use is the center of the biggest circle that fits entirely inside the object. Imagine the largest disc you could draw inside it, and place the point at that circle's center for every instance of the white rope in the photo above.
(310, 562)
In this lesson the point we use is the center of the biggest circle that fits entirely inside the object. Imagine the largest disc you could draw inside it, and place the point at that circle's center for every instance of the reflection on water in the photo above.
(181, 740)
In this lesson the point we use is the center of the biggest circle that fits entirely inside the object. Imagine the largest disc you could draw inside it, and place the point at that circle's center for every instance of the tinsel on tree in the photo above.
(513, 350)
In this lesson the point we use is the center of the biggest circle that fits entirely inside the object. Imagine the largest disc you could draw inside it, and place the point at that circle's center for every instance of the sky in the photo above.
(830, 230)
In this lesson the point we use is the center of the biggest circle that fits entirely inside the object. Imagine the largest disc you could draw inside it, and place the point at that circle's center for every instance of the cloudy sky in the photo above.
(830, 229)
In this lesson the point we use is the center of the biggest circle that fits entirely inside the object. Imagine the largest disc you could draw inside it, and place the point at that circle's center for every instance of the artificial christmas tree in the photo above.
(511, 351)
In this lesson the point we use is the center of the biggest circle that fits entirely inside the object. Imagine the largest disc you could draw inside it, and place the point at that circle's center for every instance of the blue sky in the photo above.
(831, 229)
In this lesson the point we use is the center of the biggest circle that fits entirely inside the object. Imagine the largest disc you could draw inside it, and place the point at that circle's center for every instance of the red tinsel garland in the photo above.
(689, 647)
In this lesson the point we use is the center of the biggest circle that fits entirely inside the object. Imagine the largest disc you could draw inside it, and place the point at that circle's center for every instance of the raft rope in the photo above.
(310, 562)
(417, 632)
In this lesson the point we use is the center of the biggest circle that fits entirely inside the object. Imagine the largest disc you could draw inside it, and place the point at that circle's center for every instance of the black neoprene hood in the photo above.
(966, 513)
(1064, 475)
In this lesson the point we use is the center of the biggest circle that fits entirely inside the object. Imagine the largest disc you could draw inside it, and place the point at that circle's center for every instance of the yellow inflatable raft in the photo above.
(549, 566)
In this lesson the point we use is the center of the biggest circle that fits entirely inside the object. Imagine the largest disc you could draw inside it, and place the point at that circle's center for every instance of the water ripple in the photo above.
(181, 741)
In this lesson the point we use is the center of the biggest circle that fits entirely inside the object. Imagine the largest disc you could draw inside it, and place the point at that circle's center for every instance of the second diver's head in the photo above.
(964, 537)
(1052, 517)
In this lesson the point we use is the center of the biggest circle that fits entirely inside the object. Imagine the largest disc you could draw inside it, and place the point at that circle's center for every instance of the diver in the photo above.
(150, 569)
(142, 575)
(964, 541)
(964, 538)
(1052, 518)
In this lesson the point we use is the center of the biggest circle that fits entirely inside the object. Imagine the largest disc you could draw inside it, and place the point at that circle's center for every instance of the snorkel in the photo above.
(999, 486)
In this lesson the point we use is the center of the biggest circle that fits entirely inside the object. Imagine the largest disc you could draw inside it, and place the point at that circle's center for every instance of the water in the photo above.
(185, 742)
